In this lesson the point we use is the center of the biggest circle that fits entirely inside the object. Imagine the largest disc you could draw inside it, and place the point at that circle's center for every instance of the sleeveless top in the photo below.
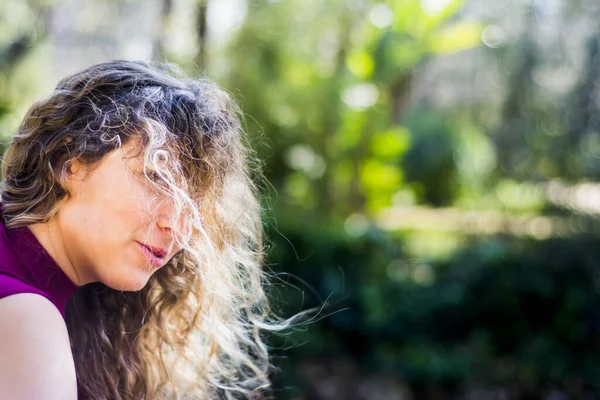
(26, 267)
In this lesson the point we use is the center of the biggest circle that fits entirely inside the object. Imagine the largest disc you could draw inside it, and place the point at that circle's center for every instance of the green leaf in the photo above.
(351, 130)
(407, 15)
(378, 176)
(458, 37)
(361, 64)
(434, 21)
(391, 143)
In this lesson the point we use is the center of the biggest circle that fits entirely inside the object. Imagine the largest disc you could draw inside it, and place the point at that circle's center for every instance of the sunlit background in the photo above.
(435, 171)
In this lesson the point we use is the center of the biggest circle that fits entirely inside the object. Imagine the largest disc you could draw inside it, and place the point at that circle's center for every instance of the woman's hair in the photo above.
(195, 330)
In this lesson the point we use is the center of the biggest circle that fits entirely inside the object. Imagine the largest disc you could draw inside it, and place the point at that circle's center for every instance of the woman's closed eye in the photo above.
(154, 179)
(154, 176)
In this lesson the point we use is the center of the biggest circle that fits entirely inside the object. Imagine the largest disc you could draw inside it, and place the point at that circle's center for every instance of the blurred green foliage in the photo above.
(501, 312)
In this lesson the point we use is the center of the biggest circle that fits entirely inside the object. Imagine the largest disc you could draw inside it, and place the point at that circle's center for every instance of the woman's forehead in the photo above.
(136, 158)
(133, 151)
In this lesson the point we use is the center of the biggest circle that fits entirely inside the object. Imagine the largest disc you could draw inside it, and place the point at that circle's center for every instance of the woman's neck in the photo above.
(48, 234)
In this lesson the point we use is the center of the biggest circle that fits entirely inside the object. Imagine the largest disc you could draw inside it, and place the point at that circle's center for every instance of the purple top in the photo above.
(26, 267)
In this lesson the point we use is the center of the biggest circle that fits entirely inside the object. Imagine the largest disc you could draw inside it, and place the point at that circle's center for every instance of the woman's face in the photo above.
(116, 228)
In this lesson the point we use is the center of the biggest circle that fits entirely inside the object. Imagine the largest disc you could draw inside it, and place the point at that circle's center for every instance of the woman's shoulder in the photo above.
(10, 285)
(36, 357)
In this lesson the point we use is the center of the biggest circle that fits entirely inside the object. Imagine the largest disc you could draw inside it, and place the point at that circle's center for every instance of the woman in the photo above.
(127, 191)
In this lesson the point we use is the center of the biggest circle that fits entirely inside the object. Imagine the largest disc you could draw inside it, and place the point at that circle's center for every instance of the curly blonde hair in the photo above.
(195, 330)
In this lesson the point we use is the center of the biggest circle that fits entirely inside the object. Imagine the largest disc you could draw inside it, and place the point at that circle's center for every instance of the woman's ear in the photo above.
(65, 166)
(73, 167)
(72, 174)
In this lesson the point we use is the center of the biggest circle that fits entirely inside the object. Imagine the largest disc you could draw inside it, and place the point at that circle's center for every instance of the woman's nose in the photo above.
(165, 222)
(168, 220)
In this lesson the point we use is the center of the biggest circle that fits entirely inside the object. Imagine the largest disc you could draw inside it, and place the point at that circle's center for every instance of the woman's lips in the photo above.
(155, 256)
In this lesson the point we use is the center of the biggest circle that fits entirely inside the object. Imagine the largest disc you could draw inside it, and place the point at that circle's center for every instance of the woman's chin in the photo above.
(131, 283)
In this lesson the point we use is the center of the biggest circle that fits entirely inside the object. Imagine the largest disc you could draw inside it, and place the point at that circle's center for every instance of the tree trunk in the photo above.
(159, 51)
(201, 29)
